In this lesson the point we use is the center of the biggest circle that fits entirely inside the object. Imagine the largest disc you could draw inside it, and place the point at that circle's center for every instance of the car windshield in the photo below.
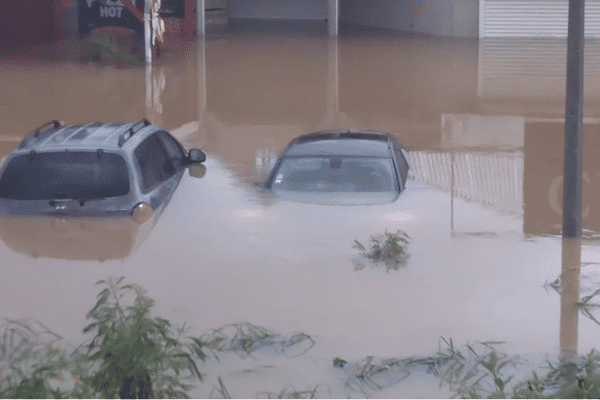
(64, 175)
(336, 174)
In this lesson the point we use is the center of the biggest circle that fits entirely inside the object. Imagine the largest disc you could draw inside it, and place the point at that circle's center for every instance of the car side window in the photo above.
(402, 164)
(174, 150)
(153, 163)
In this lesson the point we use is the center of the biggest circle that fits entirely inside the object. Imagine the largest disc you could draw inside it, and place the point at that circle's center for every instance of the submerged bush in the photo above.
(388, 249)
(101, 47)
(479, 370)
(131, 354)
(137, 356)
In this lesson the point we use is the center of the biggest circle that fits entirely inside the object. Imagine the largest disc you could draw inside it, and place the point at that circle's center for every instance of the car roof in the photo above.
(105, 135)
(343, 143)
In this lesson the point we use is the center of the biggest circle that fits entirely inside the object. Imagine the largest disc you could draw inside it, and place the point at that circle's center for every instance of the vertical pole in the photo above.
(147, 32)
(200, 18)
(202, 131)
(337, 75)
(201, 78)
(149, 113)
(572, 186)
(572, 183)
(332, 76)
(333, 17)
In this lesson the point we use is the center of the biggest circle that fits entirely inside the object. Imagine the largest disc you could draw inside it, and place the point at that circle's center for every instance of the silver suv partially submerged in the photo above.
(96, 169)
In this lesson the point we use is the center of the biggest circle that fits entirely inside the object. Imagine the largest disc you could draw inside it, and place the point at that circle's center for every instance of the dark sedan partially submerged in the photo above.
(342, 167)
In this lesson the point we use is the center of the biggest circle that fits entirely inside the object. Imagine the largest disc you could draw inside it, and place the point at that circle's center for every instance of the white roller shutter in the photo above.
(532, 68)
(533, 18)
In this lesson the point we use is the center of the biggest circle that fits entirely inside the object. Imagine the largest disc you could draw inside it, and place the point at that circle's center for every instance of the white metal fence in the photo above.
(492, 179)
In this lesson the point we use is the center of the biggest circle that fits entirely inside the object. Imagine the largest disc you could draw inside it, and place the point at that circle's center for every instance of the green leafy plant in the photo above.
(586, 304)
(130, 353)
(388, 249)
(473, 374)
(573, 380)
(137, 356)
(221, 391)
(28, 374)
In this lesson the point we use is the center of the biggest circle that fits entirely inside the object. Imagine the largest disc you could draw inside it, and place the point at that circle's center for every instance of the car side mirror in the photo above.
(197, 170)
(195, 156)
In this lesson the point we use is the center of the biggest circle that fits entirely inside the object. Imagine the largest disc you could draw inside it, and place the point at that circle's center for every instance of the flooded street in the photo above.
(482, 122)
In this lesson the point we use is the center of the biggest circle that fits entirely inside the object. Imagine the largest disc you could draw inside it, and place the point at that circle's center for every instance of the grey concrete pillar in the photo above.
(333, 17)
(200, 18)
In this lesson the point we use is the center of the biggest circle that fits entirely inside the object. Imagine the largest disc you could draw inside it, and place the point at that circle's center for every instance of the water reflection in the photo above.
(73, 238)
(569, 298)
(542, 180)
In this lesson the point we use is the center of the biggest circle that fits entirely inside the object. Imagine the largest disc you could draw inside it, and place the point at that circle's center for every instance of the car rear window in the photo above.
(335, 174)
(64, 175)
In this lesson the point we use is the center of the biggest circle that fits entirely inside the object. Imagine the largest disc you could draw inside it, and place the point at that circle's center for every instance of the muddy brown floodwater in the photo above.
(483, 122)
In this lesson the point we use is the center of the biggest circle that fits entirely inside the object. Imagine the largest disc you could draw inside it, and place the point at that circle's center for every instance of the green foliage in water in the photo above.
(26, 378)
(221, 392)
(131, 355)
(485, 374)
(103, 48)
(388, 249)
(474, 374)
(479, 370)
(136, 355)
(244, 339)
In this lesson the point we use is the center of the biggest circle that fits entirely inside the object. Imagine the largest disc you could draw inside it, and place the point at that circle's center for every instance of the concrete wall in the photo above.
(389, 14)
(466, 18)
(278, 9)
(455, 18)
(433, 17)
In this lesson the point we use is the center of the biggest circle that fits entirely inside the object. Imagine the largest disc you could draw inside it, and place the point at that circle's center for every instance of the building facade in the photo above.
(41, 21)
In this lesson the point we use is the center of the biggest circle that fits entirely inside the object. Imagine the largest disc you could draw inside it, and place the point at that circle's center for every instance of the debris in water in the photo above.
(378, 373)
(245, 339)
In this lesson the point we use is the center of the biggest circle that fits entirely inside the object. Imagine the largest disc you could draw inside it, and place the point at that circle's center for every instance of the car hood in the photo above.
(338, 198)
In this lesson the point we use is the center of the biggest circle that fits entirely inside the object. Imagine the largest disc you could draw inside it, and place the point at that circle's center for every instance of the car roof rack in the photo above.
(55, 124)
(130, 129)
(31, 137)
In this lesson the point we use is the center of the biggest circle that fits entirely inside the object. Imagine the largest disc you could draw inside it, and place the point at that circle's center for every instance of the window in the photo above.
(402, 164)
(174, 150)
(65, 175)
(153, 163)
(335, 174)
